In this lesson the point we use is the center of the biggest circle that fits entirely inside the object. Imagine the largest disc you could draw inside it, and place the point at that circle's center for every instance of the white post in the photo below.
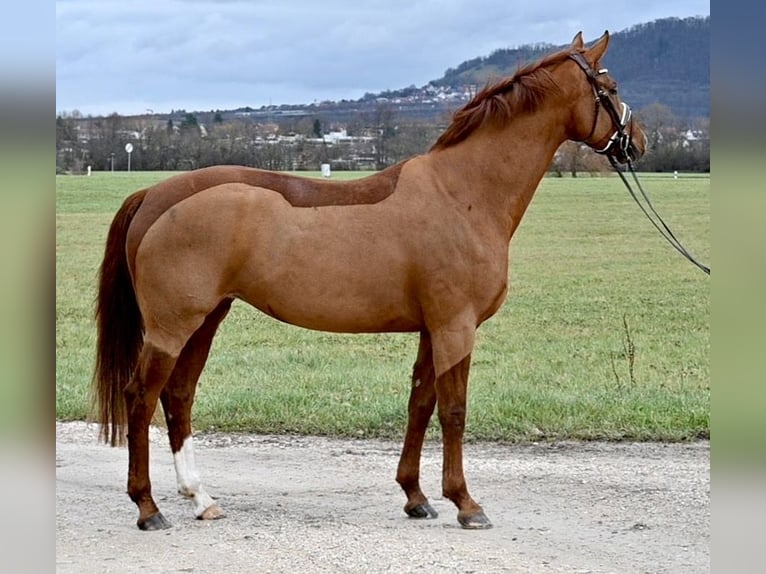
(129, 149)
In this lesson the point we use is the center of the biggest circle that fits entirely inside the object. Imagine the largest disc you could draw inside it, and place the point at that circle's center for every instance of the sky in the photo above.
(139, 56)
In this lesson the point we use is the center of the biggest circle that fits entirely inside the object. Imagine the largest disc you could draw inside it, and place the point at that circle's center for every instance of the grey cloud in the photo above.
(209, 54)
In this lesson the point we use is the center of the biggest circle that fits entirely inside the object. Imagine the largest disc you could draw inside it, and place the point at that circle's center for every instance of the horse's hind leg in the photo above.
(420, 409)
(177, 398)
(141, 394)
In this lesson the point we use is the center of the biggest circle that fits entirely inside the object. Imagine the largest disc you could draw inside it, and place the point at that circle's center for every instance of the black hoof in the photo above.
(478, 521)
(155, 522)
(421, 511)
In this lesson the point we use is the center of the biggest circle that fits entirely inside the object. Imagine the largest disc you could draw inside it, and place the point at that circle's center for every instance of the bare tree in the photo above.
(575, 157)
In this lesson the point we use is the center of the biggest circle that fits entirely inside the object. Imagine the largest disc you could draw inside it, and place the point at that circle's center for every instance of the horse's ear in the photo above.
(597, 50)
(577, 43)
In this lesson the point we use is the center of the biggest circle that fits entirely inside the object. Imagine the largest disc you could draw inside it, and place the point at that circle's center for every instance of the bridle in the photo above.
(620, 145)
(620, 149)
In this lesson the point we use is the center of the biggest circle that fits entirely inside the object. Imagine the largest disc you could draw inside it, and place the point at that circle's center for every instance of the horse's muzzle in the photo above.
(626, 148)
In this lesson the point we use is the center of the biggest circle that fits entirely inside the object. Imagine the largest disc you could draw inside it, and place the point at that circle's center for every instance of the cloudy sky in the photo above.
(129, 57)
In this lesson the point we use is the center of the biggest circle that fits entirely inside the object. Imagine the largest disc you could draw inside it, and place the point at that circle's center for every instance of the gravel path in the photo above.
(306, 504)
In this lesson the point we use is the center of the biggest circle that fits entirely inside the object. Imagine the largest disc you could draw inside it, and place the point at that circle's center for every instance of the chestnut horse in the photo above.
(419, 247)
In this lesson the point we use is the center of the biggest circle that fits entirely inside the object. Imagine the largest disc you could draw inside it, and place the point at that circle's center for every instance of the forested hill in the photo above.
(665, 61)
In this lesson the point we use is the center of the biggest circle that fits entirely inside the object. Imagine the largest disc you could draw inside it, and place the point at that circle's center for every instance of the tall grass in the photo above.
(604, 335)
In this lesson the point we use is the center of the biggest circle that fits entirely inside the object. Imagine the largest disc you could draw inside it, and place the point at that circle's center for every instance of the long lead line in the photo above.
(664, 229)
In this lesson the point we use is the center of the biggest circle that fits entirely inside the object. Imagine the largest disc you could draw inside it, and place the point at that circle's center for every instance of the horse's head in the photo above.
(608, 126)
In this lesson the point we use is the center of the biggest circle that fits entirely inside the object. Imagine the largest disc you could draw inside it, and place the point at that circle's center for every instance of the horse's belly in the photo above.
(341, 285)
(337, 307)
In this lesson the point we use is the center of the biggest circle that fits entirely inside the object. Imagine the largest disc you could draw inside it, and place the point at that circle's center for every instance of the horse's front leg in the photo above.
(177, 398)
(420, 409)
(451, 393)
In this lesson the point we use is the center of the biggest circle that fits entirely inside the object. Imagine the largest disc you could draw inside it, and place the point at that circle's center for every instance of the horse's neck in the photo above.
(500, 169)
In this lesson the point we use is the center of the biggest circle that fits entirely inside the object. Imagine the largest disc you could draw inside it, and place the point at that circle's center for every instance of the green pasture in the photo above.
(604, 335)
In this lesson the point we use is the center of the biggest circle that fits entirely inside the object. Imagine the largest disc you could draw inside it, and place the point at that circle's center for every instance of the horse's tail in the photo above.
(119, 327)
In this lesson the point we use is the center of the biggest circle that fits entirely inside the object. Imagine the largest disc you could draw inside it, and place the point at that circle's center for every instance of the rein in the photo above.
(619, 150)
(651, 213)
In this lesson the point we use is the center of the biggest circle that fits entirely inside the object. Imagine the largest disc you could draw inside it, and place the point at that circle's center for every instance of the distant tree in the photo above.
(106, 139)
(67, 144)
(159, 149)
(412, 139)
(569, 158)
(575, 157)
(189, 121)
(382, 122)
(658, 123)
(318, 128)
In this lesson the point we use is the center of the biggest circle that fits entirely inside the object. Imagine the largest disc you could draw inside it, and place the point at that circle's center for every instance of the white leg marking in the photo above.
(188, 479)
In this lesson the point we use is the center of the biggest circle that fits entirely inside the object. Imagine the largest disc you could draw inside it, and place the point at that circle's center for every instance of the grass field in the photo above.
(604, 335)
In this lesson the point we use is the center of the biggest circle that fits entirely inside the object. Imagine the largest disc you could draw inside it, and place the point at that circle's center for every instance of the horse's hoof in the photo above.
(154, 522)
(212, 512)
(478, 521)
(421, 511)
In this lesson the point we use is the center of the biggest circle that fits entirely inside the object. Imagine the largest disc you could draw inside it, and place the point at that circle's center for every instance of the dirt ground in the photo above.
(298, 504)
